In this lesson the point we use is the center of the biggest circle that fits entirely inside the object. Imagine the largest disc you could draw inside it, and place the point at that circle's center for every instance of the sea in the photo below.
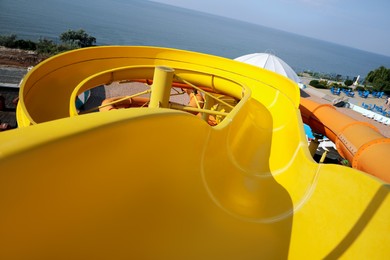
(146, 23)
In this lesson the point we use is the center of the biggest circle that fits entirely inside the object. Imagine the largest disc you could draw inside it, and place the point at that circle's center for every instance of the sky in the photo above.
(360, 24)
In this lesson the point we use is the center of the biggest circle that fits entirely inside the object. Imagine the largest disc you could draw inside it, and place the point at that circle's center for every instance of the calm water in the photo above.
(140, 22)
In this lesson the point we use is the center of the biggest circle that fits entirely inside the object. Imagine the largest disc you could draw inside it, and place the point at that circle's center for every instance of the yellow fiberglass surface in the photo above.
(158, 183)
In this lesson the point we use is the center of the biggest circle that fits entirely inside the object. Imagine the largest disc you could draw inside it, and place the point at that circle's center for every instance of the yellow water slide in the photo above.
(160, 183)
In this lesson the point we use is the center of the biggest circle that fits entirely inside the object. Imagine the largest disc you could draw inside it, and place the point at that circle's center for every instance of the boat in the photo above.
(231, 177)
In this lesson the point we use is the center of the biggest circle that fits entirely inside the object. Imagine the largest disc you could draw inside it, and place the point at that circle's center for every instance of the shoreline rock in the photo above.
(19, 58)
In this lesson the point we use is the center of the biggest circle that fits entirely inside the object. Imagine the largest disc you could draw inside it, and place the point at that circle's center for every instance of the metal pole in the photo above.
(207, 106)
(323, 157)
(314, 143)
(161, 88)
(199, 110)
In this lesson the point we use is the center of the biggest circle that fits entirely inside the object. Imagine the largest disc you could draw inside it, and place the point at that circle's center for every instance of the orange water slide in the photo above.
(359, 142)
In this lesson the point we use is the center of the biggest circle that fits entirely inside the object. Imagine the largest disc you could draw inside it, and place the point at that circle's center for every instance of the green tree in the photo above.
(77, 38)
(46, 46)
(380, 78)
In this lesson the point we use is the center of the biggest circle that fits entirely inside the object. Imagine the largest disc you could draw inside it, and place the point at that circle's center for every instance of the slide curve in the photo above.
(160, 183)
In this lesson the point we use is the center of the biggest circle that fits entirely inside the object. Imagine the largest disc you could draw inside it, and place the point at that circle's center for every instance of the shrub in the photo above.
(70, 40)
(8, 40)
(348, 82)
(323, 84)
(25, 45)
(77, 38)
(12, 42)
(370, 88)
(314, 83)
(46, 46)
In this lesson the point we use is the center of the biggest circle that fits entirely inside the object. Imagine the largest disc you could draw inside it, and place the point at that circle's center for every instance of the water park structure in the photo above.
(229, 175)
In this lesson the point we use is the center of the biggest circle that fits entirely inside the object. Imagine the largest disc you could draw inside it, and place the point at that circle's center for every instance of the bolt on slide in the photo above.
(227, 174)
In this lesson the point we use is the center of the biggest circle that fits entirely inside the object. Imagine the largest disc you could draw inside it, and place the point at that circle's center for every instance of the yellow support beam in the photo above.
(161, 88)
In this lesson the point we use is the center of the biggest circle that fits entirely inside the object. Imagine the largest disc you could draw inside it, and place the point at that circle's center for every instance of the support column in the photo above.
(161, 87)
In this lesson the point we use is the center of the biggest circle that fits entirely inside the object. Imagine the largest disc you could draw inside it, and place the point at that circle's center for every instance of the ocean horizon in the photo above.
(146, 23)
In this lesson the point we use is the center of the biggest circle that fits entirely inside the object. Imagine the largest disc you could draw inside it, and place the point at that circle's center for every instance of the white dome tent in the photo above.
(271, 62)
